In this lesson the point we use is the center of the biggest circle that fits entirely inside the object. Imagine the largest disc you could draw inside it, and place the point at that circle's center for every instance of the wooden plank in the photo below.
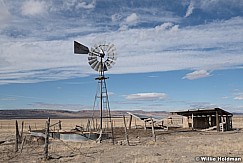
(210, 128)
(222, 122)
(192, 121)
(22, 144)
(217, 121)
(125, 128)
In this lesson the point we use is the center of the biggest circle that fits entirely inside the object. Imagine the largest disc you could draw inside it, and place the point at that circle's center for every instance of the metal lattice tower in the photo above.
(102, 102)
(101, 58)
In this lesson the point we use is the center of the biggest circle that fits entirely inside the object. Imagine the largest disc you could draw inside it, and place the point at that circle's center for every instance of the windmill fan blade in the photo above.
(98, 67)
(112, 57)
(94, 64)
(105, 47)
(112, 54)
(80, 49)
(92, 57)
(107, 64)
(92, 61)
(110, 61)
(105, 67)
(110, 47)
(112, 50)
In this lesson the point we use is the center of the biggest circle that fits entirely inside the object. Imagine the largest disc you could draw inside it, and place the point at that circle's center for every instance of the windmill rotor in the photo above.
(101, 57)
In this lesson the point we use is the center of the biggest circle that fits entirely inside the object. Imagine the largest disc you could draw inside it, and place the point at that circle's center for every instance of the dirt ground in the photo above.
(170, 146)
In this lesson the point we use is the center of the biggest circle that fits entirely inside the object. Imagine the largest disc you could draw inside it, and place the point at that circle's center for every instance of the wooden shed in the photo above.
(207, 119)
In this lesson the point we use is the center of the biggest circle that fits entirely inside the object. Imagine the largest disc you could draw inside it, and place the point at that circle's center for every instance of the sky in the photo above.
(172, 54)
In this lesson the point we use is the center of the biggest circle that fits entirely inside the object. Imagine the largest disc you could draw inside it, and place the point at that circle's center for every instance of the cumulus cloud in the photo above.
(197, 74)
(164, 26)
(146, 96)
(131, 19)
(33, 7)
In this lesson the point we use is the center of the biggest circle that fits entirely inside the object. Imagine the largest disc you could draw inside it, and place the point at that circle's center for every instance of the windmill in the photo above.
(101, 58)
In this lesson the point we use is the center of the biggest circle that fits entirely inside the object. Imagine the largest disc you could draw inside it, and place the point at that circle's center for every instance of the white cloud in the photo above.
(33, 7)
(77, 5)
(128, 21)
(110, 93)
(189, 9)
(146, 96)
(197, 74)
(163, 26)
(44, 51)
(116, 17)
(239, 96)
(211, 5)
(86, 5)
(140, 50)
(131, 19)
(4, 15)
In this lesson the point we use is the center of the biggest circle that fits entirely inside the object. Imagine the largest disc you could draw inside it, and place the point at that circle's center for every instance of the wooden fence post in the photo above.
(22, 130)
(16, 136)
(88, 125)
(145, 125)
(112, 132)
(125, 127)
(46, 139)
(135, 123)
(153, 132)
(60, 125)
(130, 122)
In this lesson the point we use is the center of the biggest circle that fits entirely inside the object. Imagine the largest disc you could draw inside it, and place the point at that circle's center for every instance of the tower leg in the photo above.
(102, 104)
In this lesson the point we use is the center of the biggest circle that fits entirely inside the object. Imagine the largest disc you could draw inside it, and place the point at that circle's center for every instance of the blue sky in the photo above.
(173, 55)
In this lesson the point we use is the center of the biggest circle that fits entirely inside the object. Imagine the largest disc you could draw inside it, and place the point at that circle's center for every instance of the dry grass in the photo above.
(169, 147)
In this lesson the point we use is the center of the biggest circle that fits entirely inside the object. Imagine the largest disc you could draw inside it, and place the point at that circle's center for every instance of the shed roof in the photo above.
(203, 112)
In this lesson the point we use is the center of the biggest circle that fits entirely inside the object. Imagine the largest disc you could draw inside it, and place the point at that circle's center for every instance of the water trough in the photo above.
(71, 136)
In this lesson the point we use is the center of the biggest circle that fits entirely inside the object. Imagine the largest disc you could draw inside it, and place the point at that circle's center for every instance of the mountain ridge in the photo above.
(65, 114)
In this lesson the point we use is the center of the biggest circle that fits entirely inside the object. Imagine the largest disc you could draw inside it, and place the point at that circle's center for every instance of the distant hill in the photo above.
(65, 114)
